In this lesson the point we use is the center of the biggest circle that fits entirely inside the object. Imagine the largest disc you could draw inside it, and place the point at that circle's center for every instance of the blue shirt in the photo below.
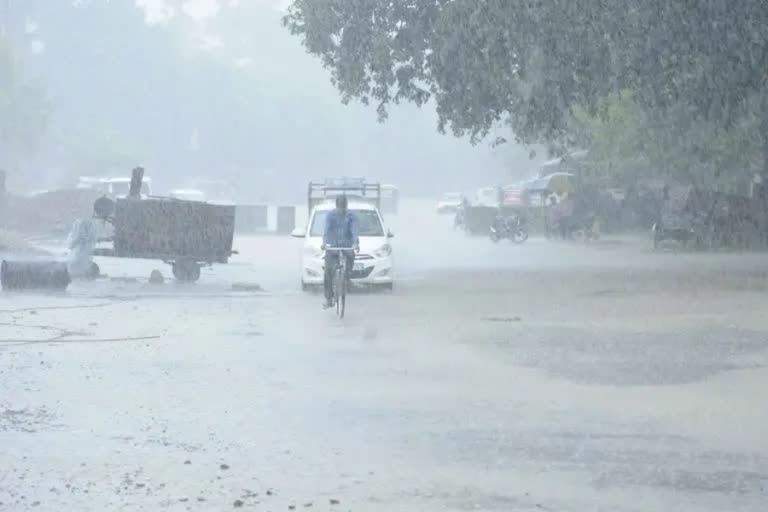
(340, 229)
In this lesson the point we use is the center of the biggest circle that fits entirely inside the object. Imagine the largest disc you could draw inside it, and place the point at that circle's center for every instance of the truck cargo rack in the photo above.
(330, 188)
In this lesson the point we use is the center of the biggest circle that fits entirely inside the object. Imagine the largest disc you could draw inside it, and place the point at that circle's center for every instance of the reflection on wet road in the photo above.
(549, 376)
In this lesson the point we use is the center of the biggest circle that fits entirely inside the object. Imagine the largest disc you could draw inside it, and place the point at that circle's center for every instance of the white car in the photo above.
(449, 203)
(115, 187)
(374, 264)
(488, 196)
(187, 194)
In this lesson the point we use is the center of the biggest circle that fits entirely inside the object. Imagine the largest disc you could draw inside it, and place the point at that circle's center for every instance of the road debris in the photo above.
(246, 287)
(36, 274)
(123, 279)
(503, 319)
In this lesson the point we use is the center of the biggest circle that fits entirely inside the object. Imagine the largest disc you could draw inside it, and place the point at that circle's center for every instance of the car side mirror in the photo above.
(299, 233)
(390, 234)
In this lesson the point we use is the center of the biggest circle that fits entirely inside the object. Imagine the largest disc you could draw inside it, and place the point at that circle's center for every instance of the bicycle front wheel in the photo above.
(340, 290)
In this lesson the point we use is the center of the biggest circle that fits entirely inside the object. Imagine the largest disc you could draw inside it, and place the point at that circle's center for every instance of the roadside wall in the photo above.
(49, 213)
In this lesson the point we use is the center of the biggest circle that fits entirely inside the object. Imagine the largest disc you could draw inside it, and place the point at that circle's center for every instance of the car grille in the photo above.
(362, 274)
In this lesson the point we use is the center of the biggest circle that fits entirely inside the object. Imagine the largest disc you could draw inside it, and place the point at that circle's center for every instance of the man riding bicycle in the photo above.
(340, 231)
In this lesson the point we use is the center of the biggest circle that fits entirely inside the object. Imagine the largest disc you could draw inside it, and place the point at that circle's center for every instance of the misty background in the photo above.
(207, 88)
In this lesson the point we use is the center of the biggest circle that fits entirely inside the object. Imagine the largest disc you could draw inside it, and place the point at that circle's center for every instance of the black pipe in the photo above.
(19, 275)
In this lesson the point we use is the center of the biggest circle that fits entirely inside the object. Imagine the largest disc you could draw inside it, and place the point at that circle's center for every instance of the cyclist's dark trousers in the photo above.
(331, 258)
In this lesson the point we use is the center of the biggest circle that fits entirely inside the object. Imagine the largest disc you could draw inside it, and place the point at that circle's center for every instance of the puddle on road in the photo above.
(25, 420)
(653, 461)
(608, 357)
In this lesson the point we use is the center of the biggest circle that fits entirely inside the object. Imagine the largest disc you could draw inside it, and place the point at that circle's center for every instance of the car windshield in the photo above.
(121, 188)
(368, 222)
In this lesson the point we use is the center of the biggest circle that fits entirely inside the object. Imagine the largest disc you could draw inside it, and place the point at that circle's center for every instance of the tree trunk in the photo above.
(760, 189)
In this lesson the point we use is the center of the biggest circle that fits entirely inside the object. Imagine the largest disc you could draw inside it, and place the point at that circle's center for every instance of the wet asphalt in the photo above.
(549, 376)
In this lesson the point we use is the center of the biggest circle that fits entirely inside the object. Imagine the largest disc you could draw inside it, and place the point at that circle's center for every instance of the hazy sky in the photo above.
(219, 87)
(158, 11)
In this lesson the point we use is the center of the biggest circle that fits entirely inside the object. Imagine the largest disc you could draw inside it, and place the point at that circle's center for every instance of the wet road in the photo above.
(549, 376)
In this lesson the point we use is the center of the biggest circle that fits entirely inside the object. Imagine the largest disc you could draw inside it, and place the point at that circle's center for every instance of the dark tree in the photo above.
(528, 63)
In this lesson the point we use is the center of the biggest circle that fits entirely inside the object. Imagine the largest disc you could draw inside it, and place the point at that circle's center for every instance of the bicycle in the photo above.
(340, 279)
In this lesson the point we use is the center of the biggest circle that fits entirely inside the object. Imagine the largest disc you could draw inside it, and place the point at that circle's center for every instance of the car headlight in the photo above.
(384, 251)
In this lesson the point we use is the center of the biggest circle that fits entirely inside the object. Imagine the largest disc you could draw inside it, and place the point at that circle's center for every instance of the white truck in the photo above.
(114, 187)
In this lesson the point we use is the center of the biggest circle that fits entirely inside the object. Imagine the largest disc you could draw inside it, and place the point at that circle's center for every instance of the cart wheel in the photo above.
(520, 236)
(186, 270)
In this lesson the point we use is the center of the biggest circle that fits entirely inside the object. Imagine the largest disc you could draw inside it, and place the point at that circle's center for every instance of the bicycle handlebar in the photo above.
(339, 249)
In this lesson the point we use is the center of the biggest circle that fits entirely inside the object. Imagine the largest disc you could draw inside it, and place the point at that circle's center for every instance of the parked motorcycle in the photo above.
(513, 228)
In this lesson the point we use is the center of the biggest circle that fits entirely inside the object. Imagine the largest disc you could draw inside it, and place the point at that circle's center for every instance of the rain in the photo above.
(383, 255)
